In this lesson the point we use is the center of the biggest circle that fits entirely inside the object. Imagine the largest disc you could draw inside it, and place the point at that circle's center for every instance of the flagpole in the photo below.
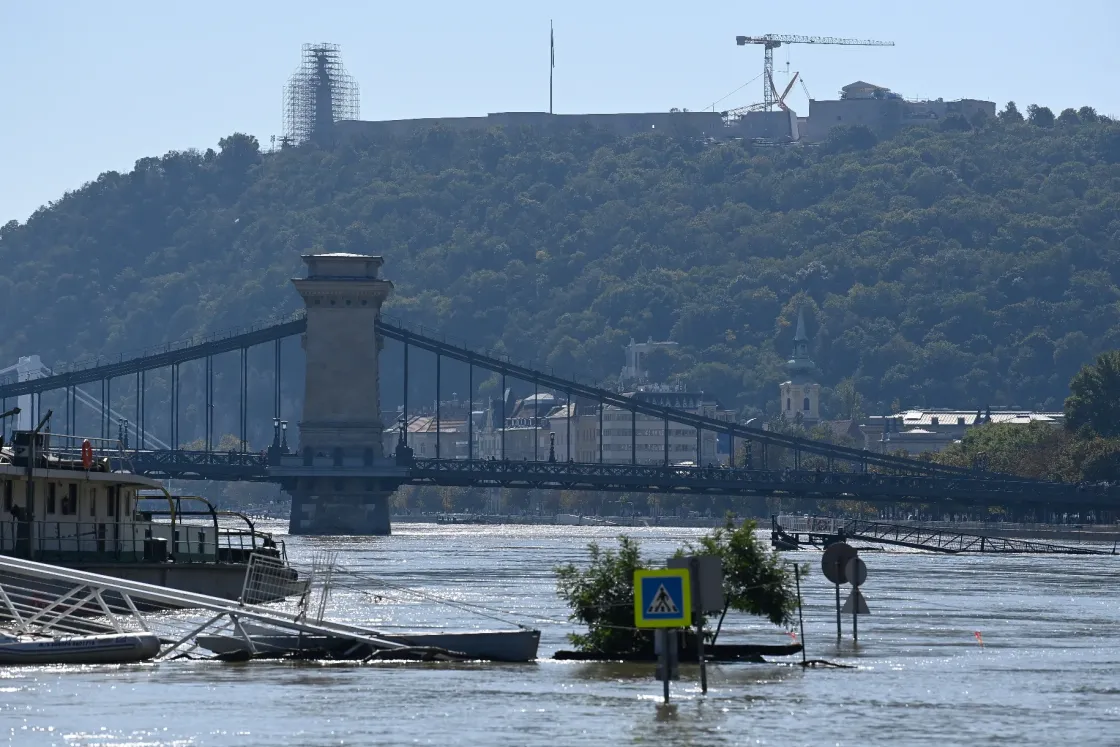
(551, 62)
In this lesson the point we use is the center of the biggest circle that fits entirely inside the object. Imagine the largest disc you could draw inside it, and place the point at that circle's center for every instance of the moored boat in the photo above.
(483, 645)
(80, 506)
(115, 648)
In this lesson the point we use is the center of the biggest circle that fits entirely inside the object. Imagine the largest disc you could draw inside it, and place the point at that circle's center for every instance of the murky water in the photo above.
(1048, 672)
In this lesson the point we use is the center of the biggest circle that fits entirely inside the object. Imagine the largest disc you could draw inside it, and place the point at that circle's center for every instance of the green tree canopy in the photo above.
(1094, 397)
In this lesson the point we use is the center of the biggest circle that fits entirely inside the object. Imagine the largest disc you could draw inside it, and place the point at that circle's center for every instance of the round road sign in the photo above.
(856, 572)
(835, 560)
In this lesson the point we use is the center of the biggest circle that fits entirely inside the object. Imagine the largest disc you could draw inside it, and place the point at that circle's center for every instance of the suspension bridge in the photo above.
(341, 473)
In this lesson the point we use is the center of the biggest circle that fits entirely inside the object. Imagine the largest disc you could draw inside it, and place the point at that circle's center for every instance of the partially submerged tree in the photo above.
(602, 597)
(755, 581)
(755, 578)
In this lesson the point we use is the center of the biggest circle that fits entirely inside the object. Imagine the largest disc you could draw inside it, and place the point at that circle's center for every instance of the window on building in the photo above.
(308, 455)
(789, 403)
(935, 420)
(51, 490)
(960, 421)
(805, 405)
(337, 455)
(367, 457)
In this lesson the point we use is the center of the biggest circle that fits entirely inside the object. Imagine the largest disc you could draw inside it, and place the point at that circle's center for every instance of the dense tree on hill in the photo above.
(957, 266)
(1094, 398)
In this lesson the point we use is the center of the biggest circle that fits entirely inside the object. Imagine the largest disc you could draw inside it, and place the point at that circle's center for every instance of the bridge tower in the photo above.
(337, 478)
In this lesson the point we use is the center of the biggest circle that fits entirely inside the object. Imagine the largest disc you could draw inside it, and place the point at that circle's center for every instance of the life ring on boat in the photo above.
(87, 454)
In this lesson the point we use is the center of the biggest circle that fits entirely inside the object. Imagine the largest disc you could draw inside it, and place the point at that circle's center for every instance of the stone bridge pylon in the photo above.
(339, 479)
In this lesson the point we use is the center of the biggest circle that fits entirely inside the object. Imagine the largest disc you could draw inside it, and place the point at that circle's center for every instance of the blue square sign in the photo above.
(662, 598)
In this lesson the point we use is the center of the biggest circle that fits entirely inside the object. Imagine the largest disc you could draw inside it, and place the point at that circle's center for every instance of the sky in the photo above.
(90, 87)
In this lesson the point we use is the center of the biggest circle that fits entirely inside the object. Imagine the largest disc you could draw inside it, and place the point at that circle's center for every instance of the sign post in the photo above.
(833, 562)
(706, 579)
(856, 573)
(663, 599)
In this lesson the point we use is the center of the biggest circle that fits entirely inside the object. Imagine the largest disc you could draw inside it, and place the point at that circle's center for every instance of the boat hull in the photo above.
(126, 648)
(484, 645)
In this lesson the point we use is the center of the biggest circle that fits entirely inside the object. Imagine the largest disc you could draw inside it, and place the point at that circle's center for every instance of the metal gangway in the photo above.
(37, 599)
(795, 532)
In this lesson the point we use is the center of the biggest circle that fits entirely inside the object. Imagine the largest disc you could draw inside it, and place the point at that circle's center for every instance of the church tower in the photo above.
(801, 394)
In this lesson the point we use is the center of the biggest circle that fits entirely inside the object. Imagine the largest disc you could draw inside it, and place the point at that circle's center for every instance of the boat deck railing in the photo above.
(131, 542)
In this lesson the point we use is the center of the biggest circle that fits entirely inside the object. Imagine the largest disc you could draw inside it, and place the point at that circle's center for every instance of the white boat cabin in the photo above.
(78, 509)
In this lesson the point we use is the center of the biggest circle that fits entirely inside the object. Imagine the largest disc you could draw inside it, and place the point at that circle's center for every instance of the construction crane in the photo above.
(770, 42)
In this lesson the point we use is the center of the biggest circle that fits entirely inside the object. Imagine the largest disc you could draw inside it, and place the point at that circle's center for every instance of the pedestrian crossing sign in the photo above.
(662, 598)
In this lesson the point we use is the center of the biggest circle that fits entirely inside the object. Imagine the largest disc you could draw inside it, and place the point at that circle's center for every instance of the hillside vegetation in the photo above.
(964, 265)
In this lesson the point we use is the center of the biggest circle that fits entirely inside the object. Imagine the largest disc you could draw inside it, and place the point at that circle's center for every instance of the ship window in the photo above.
(70, 500)
(111, 502)
(93, 501)
(8, 496)
(51, 488)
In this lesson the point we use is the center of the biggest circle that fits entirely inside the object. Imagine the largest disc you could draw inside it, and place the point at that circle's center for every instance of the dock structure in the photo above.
(795, 533)
(37, 599)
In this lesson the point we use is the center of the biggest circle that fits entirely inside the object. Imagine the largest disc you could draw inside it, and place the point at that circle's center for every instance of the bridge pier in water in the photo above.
(337, 478)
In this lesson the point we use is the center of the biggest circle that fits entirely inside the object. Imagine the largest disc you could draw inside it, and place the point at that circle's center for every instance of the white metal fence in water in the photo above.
(815, 524)
(37, 599)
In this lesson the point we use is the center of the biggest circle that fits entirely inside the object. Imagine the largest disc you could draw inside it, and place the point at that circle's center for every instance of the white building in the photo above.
(634, 437)
(921, 431)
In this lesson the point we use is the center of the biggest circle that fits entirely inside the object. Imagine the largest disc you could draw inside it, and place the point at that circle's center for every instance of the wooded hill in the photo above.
(958, 266)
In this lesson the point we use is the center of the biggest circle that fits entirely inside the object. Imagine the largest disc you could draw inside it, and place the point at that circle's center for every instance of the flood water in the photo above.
(1048, 671)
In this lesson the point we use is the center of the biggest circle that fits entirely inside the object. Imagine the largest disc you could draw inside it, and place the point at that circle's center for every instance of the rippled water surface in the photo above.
(1047, 673)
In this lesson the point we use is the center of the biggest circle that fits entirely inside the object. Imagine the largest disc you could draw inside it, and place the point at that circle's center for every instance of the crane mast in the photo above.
(770, 42)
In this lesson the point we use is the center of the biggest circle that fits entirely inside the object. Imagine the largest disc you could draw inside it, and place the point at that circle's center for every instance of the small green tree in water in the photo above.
(755, 578)
(602, 597)
(755, 581)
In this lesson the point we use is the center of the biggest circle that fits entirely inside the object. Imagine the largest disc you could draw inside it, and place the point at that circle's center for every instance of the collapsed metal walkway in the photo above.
(49, 601)
(794, 533)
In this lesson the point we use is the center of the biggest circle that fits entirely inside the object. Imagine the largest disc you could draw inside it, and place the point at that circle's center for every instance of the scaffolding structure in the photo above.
(318, 94)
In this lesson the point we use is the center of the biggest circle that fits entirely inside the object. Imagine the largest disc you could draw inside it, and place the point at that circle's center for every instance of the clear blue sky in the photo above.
(93, 86)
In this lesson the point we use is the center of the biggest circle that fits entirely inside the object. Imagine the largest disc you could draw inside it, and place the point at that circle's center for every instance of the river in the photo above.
(1048, 671)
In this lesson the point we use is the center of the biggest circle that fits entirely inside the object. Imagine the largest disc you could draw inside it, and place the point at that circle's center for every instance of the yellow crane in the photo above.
(770, 42)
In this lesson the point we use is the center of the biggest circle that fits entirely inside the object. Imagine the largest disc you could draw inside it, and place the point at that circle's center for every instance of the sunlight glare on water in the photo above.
(1046, 673)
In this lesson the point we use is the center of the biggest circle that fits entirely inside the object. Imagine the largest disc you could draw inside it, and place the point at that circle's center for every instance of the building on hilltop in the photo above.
(883, 111)
(699, 124)
(922, 431)
(635, 369)
(801, 394)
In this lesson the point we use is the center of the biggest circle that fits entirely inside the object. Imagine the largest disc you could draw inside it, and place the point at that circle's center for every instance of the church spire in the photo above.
(801, 366)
